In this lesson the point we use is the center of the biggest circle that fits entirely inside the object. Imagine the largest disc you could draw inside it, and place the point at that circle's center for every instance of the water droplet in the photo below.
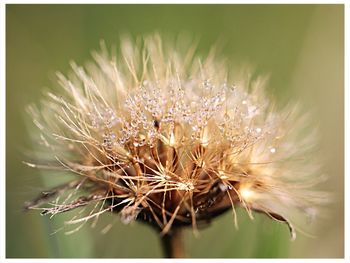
(134, 124)
(207, 84)
(273, 150)
(226, 117)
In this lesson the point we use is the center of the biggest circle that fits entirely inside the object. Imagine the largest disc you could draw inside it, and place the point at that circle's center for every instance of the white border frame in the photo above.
(3, 131)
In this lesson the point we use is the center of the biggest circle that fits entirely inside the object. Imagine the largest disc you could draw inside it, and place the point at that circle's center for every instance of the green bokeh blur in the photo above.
(300, 46)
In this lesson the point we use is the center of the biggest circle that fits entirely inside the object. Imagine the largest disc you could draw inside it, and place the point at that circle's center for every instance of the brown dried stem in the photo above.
(172, 243)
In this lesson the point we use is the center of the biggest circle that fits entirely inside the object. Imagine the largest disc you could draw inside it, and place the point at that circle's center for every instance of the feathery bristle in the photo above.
(163, 136)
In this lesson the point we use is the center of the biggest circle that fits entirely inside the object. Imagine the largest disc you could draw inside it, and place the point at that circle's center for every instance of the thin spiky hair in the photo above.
(159, 134)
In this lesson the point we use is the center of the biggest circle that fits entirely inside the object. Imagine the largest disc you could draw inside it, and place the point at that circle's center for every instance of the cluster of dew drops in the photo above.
(138, 118)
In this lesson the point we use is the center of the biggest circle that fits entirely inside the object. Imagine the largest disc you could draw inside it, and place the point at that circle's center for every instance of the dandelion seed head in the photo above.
(160, 135)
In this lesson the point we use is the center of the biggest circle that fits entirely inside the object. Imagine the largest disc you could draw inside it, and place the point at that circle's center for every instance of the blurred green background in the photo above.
(301, 46)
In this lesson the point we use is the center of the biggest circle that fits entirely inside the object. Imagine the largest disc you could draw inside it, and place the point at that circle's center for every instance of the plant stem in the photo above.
(173, 244)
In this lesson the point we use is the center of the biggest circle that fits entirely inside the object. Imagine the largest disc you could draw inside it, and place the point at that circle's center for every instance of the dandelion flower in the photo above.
(160, 135)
